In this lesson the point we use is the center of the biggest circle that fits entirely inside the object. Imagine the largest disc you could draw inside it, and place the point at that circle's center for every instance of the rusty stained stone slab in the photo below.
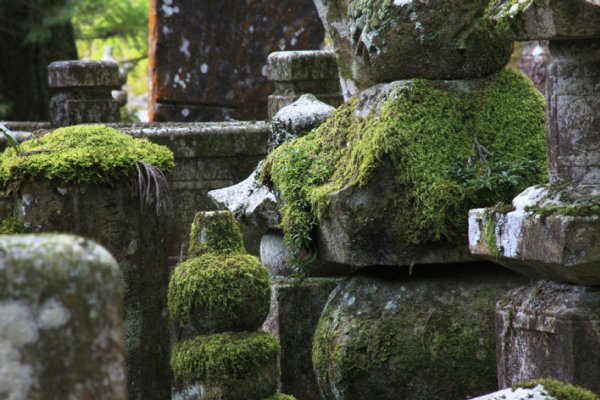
(208, 59)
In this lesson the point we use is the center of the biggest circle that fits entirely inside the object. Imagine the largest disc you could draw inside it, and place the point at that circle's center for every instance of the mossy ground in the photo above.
(220, 292)
(216, 232)
(452, 149)
(224, 358)
(81, 154)
(560, 390)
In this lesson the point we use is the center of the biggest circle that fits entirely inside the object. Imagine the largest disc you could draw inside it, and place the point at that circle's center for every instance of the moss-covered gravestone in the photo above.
(101, 184)
(218, 299)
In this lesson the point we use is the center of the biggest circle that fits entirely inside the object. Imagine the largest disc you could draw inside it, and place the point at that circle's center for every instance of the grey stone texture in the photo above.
(551, 19)
(294, 314)
(386, 334)
(550, 233)
(254, 205)
(274, 253)
(536, 393)
(136, 237)
(300, 117)
(61, 330)
(83, 92)
(383, 41)
(295, 73)
(549, 329)
(533, 61)
(573, 119)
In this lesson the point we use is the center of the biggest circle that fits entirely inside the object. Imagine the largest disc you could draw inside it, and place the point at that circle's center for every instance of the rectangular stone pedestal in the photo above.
(295, 312)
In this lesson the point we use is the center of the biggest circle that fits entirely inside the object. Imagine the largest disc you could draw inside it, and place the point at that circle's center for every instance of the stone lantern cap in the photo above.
(83, 73)
(302, 65)
(551, 19)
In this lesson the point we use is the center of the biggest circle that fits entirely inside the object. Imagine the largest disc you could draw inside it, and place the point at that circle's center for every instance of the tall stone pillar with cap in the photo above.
(551, 231)
(83, 92)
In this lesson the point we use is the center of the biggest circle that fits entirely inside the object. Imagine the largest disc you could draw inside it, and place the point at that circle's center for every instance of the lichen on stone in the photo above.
(215, 232)
(216, 292)
(453, 146)
(559, 390)
(503, 14)
(280, 396)
(224, 358)
(81, 154)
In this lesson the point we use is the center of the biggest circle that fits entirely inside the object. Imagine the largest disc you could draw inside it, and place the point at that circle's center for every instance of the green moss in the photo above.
(503, 15)
(490, 233)
(12, 225)
(224, 358)
(220, 292)
(575, 210)
(559, 390)
(280, 396)
(452, 148)
(216, 232)
(81, 154)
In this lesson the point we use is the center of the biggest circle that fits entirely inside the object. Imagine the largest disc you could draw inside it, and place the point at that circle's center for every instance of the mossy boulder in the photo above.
(383, 40)
(389, 179)
(216, 292)
(559, 390)
(233, 366)
(215, 232)
(385, 335)
(81, 154)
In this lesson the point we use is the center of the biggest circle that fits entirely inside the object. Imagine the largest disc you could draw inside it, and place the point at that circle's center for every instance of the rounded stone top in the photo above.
(302, 65)
(84, 73)
(304, 114)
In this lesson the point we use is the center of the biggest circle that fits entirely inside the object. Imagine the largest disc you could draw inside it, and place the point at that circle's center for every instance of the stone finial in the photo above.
(83, 92)
(61, 333)
(295, 73)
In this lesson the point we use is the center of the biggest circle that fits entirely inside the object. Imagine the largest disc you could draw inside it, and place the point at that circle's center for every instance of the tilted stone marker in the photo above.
(61, 328)
(83, 92)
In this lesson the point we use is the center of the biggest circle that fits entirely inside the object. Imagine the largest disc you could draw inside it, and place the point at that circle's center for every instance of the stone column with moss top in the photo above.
(218, 299)
(61, 331)
(96, 182)
(83, 92)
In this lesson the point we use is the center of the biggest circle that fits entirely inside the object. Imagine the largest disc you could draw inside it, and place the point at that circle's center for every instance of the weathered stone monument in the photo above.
(208, 59)
(550, 232)
(61, 331)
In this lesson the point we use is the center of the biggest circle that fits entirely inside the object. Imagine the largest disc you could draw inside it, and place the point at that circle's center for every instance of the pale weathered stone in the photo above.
(294, 314)
(300, 117)
(83, 92)
(549, 329)
(136, 237)
(61, 330)
(295, 73)
(274, 254)
(550, 233)
(386, 334)
(536, 393)
(382, 41)
(534, 63)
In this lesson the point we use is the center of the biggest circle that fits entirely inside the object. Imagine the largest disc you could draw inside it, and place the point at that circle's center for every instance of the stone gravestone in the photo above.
(208, 59)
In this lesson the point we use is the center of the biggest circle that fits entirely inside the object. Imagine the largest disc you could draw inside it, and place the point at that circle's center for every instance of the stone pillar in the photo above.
(534, 63)
(208, 59)
(82, 92)
(295, 73)
(136, 237)
(61, 331)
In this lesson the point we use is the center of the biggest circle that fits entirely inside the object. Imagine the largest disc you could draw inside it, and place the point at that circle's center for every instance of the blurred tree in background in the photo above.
(33, 33)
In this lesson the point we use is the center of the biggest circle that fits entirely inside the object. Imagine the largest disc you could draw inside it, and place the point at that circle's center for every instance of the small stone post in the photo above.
(295, 73)
(61, 333)
(83, 92)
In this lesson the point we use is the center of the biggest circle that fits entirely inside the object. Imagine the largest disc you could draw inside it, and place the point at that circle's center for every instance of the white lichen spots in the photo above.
(185, 112)
(263, 71)
(204, 68)
(166, 30)
(251, 29)
(62, 191)
(476, 217)
(294, 41)
(133, 247)
(194, 391)
(169, 9)
(281, 44)
(53, 315)
(184, 48)
(401, 3)
(179, 81)
(17, 329)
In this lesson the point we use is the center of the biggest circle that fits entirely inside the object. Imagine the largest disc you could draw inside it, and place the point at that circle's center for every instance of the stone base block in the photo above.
(549, 329)
(295, 311)
(550, 233)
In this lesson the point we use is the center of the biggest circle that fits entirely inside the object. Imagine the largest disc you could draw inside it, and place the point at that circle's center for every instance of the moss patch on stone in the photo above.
(223, 358)
(452, 148)
(81, 154)
(280, 396)
(12, 225)
(559, 390)
(216, 292)
(503, 15)
(216, 232)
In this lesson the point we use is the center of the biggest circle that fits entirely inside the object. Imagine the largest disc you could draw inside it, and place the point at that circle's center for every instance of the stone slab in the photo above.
(84, 74)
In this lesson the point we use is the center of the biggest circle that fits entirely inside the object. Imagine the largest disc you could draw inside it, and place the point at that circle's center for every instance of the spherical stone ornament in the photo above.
(216, 293)
(385, 40)
(232, 366)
